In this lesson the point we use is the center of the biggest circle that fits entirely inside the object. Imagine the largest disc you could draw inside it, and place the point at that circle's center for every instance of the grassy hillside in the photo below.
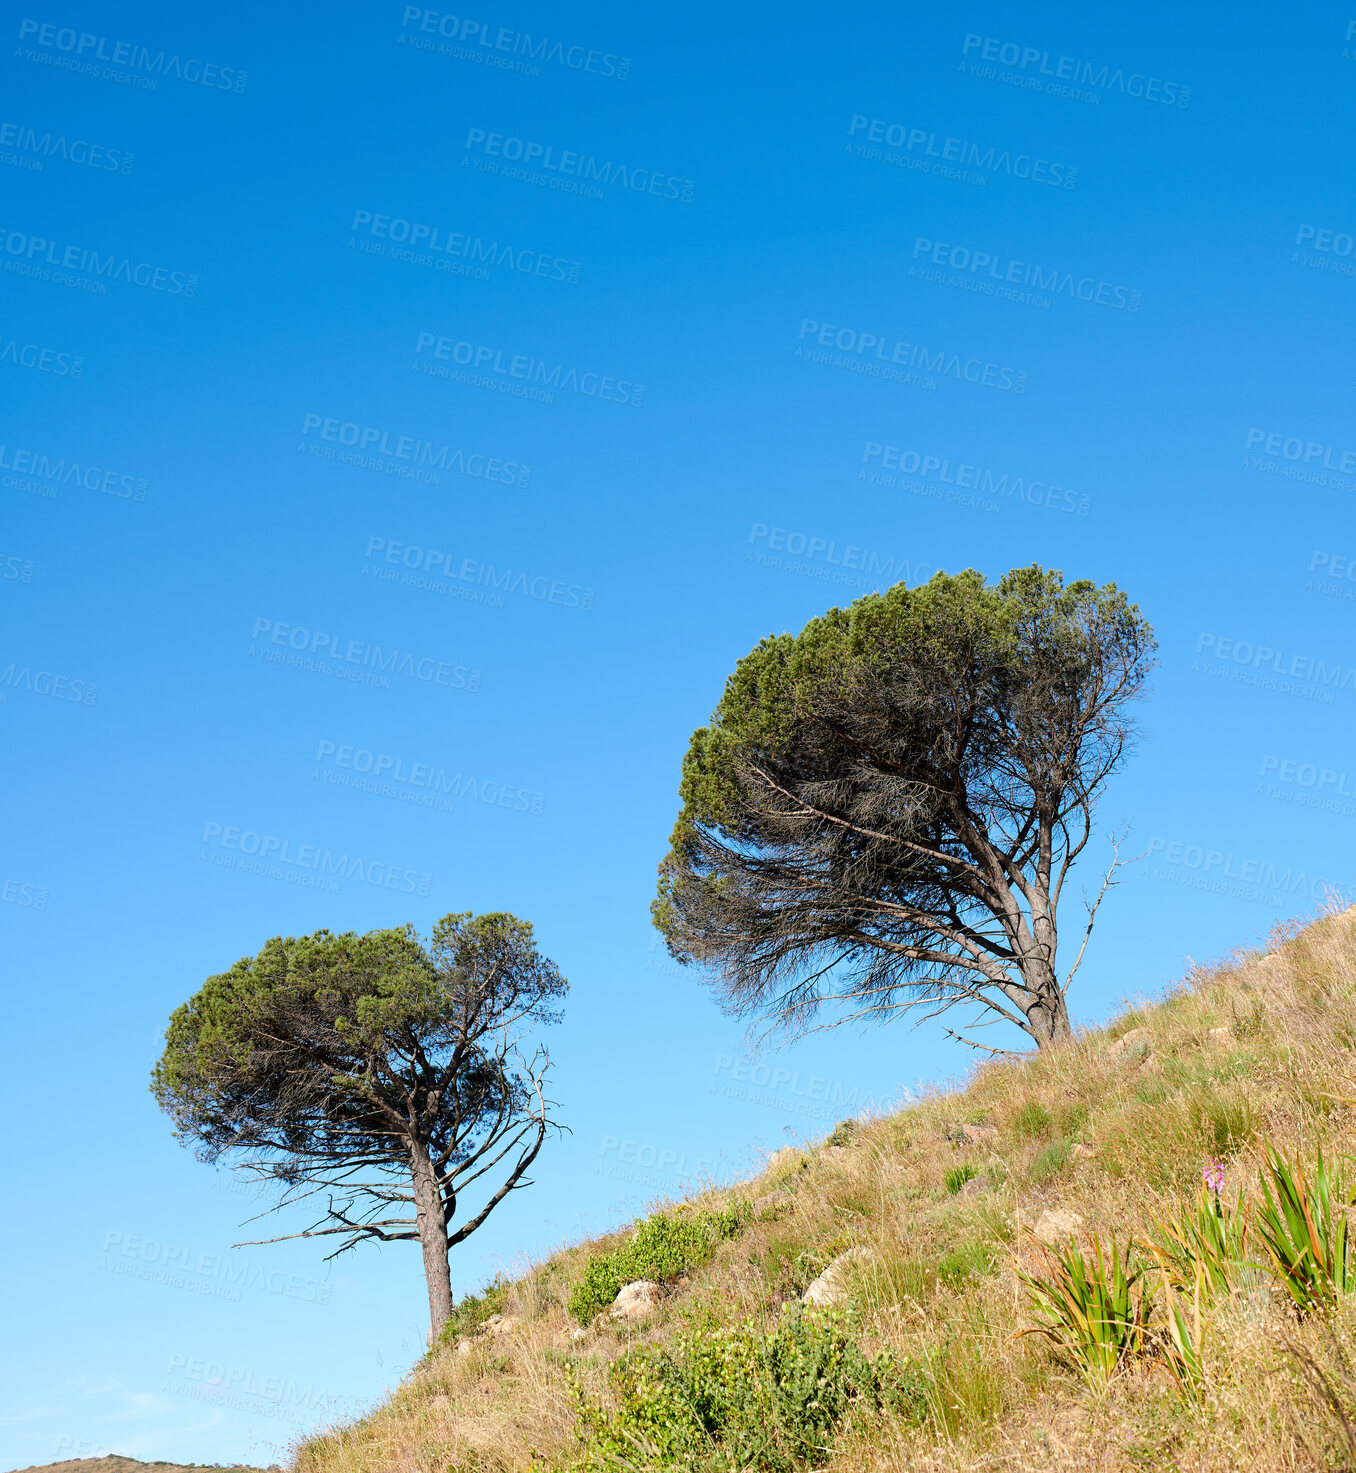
(114, 1463)
(922, 1363)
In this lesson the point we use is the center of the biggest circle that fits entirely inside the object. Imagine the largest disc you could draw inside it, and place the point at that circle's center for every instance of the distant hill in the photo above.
(115, 1464)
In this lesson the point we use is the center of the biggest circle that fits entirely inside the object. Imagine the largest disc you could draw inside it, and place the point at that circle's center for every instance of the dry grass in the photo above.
(1258, 1048)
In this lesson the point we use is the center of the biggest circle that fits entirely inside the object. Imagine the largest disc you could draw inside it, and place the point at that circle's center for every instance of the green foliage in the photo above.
(890, 1280)
(472, 1310)
(1228, 1122)
(789, 1264)
(966, 1382)
(1182, 1345)
(1093, 1310)
(842, 1133)
(1204, 1246)
(1133, 1018)
(862, 748)
(1303, 1226)
(974, 1259)
(957, 1177)
(1032, 1121)
(299, 1044)
(744, 1398)
(1151, 1091)
(1050, 1160)
(661, 1248)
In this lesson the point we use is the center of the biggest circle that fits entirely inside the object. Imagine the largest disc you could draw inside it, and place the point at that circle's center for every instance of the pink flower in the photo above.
(1213, 1176)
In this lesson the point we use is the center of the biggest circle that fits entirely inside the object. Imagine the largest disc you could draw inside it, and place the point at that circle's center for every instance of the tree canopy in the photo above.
(884, 807)
(382, 1069)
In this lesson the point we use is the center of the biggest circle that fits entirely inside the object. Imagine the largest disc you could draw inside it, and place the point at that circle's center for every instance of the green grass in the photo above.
(1050, 1161)
(956, 1178)
(1032, 1121)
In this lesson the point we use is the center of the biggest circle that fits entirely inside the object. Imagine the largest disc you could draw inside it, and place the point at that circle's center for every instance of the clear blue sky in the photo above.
(856, 298)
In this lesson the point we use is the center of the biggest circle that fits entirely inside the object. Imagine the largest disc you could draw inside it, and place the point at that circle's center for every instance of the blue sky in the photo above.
(853, 299)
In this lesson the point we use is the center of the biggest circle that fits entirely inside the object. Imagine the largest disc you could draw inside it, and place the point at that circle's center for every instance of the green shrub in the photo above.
(1206, 1241)
(1092, 1311)
(1032, 1121)
(744, 1398)
(957, 1177)
(472, 1310)
(662, 1247)
(1303, 1228)
(973, 1260)
(1050, 1161)
(842, 1133)
(1181, 1345)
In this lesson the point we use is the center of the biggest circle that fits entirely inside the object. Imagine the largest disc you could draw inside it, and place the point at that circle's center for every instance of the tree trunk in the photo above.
(1049, 1017)
(432, 1220)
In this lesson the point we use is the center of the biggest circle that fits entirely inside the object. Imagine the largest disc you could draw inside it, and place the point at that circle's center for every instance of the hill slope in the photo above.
(115, 1463)
(939, 1202)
